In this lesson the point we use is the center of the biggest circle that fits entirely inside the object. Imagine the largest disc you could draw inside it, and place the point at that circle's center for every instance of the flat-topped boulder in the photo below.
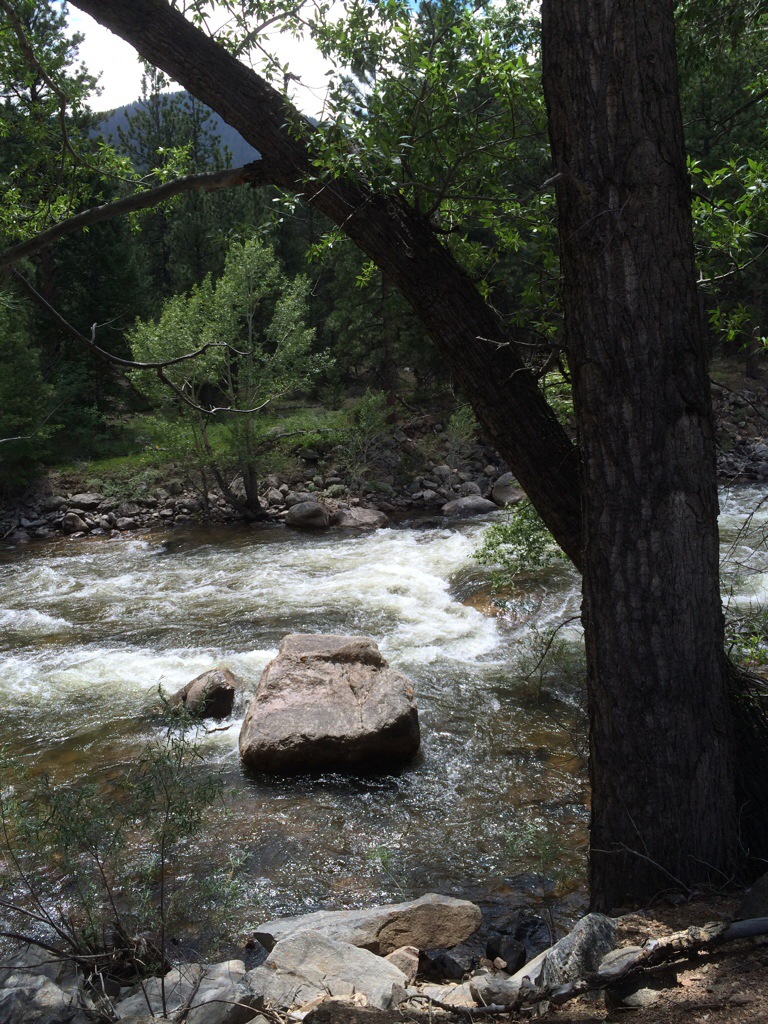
(360, 519)
(471, 505)
(87, 502)
(427, 923)
(330, 703)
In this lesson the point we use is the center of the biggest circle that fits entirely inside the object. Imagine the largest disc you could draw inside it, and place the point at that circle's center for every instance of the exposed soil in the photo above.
(726, 986)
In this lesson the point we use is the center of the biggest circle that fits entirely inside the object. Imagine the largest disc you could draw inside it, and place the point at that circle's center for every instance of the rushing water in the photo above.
(90, 629)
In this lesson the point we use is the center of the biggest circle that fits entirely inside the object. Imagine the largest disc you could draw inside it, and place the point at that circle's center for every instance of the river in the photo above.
(91, 628)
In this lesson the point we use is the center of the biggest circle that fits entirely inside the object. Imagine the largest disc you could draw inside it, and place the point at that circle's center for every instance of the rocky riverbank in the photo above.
(314, 495)
(432, 958)
(317, 492)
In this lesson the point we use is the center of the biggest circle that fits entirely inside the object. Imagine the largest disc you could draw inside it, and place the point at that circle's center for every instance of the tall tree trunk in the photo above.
(663, 804)
(471, 336)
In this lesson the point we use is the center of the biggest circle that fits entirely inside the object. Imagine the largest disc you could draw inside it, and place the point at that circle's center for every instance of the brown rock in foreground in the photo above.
(330, 703)
(426, 923)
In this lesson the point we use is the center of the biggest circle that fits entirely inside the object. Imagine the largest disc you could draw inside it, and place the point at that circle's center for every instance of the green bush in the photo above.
(521, 543)
(92, 872)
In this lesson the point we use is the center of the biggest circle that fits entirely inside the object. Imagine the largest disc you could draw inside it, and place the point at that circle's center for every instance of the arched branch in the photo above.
(249, 174)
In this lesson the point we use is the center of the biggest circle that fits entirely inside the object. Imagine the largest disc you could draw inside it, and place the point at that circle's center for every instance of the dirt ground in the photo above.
(726, 986)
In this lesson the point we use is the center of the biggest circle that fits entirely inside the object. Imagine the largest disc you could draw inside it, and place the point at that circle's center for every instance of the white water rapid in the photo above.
(88, 630)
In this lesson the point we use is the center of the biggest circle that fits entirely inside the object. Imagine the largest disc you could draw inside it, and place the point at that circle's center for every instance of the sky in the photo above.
(116, 63)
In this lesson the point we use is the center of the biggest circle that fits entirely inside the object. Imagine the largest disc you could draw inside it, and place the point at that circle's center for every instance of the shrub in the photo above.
(90, 872)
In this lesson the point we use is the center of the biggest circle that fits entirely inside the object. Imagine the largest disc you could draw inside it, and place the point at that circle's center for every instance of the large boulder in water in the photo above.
(329, 702)
(471, 505)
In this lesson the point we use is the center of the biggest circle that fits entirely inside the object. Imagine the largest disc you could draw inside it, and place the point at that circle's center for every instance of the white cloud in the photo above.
(119, 69)
(110, 58)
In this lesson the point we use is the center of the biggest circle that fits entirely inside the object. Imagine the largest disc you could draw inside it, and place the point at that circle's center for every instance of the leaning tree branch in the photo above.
(90, 343)
(390, 232)
(133, 364)
(736, 270)
(250, 174)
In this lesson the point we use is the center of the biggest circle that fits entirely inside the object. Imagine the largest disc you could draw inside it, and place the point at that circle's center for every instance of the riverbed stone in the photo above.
(506, 490)
(306, 965)
(209, 695)
(216, 994)
(472, 505)
(451, 995)
(494, 989)
(273, 496)
(20, 537)
(126, 523)
(426, 923)
(54, 503)
(86, 502)
(581, 951)
(292, 498)
(406, 959)
(128, 509)
(34, 999)
(360, 518)
(308, 515)
(72, 523)
(330, 702)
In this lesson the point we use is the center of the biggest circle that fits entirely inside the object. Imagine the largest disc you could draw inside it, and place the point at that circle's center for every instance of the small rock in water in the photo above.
(210, 695)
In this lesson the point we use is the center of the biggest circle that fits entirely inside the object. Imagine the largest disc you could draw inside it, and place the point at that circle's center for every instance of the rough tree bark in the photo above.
(661, 758)
(472, 338)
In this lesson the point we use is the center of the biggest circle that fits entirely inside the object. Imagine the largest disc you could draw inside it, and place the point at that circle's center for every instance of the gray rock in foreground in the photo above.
(426, 923)
(577, 955)
(307, 965)
(34, 999)
(329, 703)
(212, 993)
(581, 951)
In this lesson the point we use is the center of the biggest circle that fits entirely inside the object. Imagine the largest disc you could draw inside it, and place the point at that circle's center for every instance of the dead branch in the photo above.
(249, 174)
(90, 343)
(634, 961)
